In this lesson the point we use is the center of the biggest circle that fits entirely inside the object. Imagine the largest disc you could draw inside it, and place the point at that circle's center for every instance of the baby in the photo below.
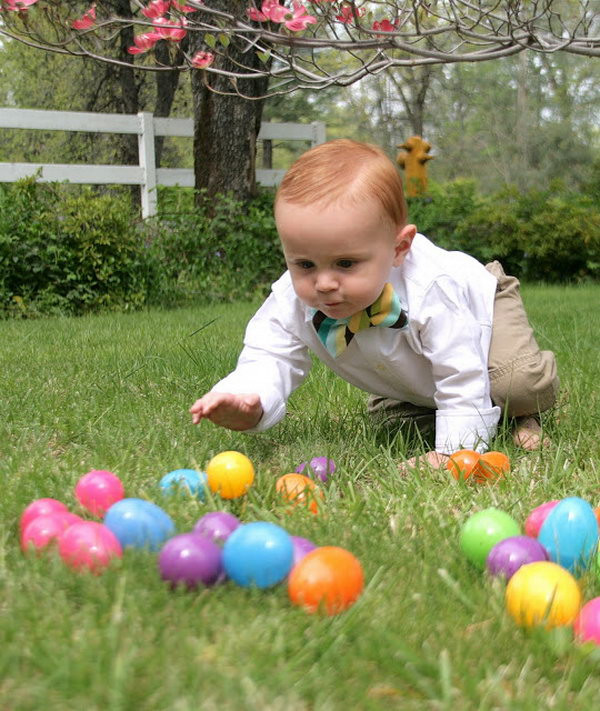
(433, 335)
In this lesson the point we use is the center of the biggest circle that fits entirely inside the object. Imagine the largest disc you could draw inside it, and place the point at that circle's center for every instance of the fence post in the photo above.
(147, 164)
(318, 133)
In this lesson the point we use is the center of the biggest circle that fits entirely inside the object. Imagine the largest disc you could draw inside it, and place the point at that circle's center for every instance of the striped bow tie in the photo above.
(336, 334)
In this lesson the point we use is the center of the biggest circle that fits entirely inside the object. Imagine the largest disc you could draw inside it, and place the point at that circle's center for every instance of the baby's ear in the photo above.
(403, 242)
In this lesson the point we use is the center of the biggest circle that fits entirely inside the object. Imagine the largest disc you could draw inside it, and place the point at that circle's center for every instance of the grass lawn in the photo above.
(430, 631)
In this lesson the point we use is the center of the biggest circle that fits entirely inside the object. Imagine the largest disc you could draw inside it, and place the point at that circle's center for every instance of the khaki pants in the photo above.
(523, 379)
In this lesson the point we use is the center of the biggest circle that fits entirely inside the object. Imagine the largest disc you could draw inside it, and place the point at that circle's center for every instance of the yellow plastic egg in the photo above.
(230, 474)
(543, 593)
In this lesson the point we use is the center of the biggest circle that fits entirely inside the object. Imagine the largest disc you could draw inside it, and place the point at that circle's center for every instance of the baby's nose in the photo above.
(325, 281)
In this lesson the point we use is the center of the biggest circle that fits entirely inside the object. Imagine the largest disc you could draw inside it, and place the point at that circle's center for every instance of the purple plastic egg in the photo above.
(302, 546)
(320, 467)
(190, 559)
(508, 555)
(216, 525)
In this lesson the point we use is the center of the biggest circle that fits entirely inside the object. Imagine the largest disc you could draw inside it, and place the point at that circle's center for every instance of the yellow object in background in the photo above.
(543, 593)
(414, 162)
(230, 474)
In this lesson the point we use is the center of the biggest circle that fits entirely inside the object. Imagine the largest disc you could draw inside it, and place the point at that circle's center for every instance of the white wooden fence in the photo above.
(146, 126)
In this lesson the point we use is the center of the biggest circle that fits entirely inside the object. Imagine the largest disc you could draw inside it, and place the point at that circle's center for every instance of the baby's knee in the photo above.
(527, 385)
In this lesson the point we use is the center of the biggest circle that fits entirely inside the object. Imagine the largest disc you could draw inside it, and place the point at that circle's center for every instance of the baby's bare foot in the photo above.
(527, 433)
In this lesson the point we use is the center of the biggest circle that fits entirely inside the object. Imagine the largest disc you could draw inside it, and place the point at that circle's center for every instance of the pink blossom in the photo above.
(86, 20)
(17, 5)
(144, 42)
(156, 8)
(202, 59)
(299, 19)
(169, 29)
(349, 13)
(385, 25)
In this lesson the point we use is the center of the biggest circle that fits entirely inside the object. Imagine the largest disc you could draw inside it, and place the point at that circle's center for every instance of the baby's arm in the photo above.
(235, 412)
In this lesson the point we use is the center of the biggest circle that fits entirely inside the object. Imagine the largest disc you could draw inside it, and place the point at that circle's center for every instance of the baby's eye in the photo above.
(305, 264)
(345, 263)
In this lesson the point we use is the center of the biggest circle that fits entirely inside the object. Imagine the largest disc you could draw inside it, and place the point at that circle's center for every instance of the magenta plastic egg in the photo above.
(507, 556)
(40, 507)
(43, 530)
(320, 467)
(98, 490)
(89, 545)
(217, 525)
(537, 517)
(191, 560)
(302, 546)
(587, 623)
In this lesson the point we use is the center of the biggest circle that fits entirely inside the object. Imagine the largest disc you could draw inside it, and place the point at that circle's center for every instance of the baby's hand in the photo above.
(436, 460)
(235, 412)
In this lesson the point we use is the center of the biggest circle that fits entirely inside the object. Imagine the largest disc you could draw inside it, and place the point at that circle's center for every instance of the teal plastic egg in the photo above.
(570, 534)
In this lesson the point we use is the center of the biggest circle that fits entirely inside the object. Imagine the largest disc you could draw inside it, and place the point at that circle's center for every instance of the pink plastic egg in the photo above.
(98, 490)
(43, 530)
(89, 545)
(40, 507)
(537, 517)
(587, 623)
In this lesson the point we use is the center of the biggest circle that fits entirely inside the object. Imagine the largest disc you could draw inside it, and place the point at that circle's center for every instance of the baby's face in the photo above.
(340, 256)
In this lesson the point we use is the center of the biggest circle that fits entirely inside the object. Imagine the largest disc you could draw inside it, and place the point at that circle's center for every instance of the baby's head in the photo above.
(341, 218)
(347, 173)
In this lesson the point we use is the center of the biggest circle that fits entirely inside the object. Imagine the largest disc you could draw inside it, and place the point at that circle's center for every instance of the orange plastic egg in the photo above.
(300, 490)
(492, 465)
(464, 464)
(328, 578)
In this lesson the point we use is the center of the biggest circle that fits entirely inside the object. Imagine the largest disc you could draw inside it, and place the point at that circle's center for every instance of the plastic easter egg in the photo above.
(483, 530)
(258, 554)
(40, 507)
(463, 464)
(44, 530)
(139, 524)
(328, 578)
(537, 517)
(587, 622)
(570, 534)
(300, 490)
(302, 546)
(190, 560)
(507, 556)
(318, 467)
(217, 525)
(188, 482)
(98, 490)
(88, 545)
(492, 465)
(543, 593)
(230, 474)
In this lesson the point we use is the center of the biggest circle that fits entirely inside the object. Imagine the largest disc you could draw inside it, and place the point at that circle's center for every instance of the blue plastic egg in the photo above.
(139, 524)
(258, 554)
(570, 534)
(187, 481)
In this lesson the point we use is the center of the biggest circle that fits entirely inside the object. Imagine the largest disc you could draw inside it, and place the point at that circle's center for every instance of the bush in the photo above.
(551, 235)
(223, 250)
(68, 254)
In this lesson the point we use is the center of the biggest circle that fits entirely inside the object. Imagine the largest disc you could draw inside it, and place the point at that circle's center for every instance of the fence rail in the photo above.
(146, 126)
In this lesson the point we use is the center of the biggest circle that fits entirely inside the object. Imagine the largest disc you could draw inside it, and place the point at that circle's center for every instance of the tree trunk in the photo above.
(166, 86)
(226, 127)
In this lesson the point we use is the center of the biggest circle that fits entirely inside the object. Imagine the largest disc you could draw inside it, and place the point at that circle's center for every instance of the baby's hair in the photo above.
(345, 171)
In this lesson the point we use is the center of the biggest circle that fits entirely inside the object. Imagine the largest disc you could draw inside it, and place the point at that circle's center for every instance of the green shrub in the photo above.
(223, 250)
(68, 254)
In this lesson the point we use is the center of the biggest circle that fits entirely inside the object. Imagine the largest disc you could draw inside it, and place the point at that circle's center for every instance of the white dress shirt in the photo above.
(439, 360)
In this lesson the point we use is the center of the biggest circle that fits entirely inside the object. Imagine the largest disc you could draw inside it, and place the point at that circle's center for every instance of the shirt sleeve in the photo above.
(456, 344)
(273, 363)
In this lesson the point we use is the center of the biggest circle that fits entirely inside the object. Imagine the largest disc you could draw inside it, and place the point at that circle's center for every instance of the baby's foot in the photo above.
(527, 433)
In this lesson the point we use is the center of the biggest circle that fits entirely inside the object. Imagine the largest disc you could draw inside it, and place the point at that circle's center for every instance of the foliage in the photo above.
(551, 235)
(218, 251)
(68, 253)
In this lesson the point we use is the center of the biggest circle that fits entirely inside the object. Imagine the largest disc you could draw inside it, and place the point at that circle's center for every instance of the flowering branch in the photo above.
(295, 39)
